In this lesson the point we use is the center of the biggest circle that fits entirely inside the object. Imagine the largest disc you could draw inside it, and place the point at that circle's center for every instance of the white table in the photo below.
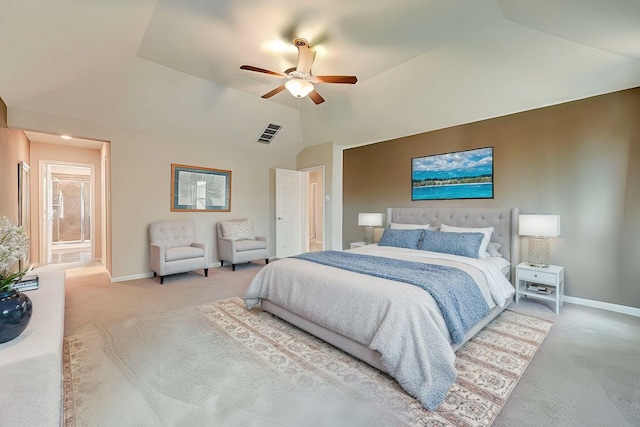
(551, 276)
(360, 244)
(31, 364)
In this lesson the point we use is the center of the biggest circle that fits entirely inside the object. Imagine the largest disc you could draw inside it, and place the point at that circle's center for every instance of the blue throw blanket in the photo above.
(455, 292)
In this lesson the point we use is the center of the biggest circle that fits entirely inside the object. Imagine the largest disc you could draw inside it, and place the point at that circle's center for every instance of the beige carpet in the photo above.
(219, 364)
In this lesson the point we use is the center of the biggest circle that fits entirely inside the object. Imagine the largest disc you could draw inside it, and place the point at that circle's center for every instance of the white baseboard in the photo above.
(603, 305)
(146, 275)
(132, 277)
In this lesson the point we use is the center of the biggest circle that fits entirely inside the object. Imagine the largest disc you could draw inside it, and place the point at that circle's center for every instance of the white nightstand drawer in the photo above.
(537, 276)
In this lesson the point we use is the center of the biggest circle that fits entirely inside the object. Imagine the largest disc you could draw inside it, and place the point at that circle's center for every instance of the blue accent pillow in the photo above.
(409, 239)
(463, 244)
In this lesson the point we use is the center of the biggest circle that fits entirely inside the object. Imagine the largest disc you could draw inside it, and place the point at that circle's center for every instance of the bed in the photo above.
(387, 321)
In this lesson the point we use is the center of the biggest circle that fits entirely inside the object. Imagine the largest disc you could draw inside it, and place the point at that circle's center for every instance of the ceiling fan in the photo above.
(300, 81)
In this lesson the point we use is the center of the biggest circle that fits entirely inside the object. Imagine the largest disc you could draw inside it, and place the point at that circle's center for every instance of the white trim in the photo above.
(147, 275)
(305, 204)
(632, 311)
(132, 277)
(44, 205)
(336, 207)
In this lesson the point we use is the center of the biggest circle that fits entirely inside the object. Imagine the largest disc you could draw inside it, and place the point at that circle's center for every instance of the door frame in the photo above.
(305, 205)
(44, 197)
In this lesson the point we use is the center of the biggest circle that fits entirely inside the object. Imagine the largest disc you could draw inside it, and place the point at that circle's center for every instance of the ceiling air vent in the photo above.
(269, 133)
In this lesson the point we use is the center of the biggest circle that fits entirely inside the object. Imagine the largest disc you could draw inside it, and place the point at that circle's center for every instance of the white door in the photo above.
(288, 213)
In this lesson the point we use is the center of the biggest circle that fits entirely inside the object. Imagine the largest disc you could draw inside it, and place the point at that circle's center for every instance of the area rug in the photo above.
(221, 365)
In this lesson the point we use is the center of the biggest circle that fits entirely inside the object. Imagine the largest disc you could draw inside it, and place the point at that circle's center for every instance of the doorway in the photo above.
(299, 211)
(68, 202)
(314, 179)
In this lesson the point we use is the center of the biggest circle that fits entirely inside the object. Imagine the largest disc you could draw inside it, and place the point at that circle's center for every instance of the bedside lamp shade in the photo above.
(368, 221)
(539, 228)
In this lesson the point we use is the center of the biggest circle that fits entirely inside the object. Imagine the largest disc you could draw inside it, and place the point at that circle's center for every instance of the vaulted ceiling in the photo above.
(172, 66)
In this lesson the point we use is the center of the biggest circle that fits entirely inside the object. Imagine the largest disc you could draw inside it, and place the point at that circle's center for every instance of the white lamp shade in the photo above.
(539, 225)
(299, 87)
(370, 219)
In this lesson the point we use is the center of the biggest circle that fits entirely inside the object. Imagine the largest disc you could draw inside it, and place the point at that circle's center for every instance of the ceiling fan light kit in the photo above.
(300, 80)
(298, 87)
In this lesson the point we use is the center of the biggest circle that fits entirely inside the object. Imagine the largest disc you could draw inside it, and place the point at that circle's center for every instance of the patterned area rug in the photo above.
(219, 364)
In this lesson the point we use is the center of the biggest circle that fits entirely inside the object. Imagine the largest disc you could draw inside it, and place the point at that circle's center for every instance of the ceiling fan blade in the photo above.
(337, 79)
(305, 56)
(274, 92)
(315, 97)
(261, 70)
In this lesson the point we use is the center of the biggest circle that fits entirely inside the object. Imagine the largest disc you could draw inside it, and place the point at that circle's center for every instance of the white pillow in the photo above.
(399, 226)
(482, 252)
(492, 250)
(238, 230)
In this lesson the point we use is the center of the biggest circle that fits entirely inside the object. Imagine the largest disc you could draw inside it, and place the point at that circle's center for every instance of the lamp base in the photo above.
(368, 235)
(539, 252)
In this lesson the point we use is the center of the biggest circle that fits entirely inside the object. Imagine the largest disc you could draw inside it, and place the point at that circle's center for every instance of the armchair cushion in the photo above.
(250, 245)
(185, 252)
(237, 230)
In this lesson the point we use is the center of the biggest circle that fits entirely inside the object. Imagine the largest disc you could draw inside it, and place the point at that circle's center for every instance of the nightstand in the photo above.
(551, 277)
(360, 244)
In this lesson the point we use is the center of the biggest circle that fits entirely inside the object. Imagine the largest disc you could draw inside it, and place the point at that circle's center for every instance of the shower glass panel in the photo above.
(68, 218)
(70, 203)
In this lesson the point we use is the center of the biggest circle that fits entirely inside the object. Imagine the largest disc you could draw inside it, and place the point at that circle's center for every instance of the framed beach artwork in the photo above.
(458, 175)
(199, 189)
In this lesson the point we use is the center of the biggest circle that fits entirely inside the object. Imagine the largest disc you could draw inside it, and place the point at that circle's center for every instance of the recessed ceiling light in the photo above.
(66, 137)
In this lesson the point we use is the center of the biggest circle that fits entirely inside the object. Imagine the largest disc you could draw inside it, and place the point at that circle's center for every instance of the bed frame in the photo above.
(505, 224)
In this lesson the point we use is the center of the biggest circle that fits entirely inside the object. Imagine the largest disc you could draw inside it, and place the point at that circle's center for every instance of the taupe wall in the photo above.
(14, 148)
(580, 160)
(321, 155)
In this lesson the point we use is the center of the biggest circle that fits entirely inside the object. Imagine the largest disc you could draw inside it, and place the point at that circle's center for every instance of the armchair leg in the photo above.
(206, 272)
(233, 267)
(161, 280)
(266, 261)
(155, 274)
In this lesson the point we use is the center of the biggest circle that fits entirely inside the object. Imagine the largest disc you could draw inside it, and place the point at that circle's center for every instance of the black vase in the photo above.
(15, 314)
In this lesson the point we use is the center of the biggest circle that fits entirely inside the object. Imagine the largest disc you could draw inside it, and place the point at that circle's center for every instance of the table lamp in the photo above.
(540, 228)
(368, 221)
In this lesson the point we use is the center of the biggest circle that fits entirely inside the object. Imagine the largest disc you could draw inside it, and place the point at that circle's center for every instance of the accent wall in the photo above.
(580, 160)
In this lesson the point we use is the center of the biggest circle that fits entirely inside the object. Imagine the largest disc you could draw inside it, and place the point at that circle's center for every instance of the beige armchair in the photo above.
(238, 244)
(174, 249)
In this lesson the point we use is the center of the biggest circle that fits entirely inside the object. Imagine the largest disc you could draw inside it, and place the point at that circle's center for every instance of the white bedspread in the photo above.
(400, 321)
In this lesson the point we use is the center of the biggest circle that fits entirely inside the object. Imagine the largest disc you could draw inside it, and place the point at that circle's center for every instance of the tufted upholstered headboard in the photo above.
(504, 222)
